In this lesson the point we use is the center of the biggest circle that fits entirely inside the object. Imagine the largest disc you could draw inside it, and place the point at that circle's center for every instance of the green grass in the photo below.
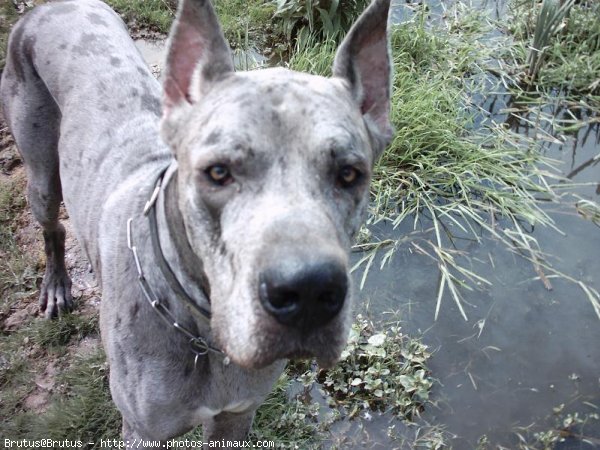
(82, 410)
(248, 23)
(566, 43)
(25, 354)
(313, 56)
(317, 19)
(551, 18)
(463, 180)
(54, 334)
(18, 269)
(154, 14)
(244, 23)
(16, 378)
(8, 16)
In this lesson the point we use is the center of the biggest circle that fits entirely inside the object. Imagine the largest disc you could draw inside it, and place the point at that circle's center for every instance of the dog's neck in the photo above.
(175, 246)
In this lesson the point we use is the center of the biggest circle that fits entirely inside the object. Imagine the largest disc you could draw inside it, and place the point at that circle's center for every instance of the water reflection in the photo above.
(577, 146)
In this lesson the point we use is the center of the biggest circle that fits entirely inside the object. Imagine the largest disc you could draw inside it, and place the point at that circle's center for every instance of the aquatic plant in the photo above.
(565, 44)
(381, 371)
(328, 19)
(567, 426)
(588, 208)
(550, 20)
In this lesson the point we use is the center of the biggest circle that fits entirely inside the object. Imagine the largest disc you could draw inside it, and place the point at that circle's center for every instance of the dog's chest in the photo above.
(203, 413)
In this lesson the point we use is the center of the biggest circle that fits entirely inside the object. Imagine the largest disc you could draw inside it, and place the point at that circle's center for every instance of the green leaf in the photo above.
(377, 340)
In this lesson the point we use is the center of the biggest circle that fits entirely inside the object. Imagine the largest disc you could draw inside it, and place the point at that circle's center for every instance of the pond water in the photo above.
(524, 350)
(154, 53)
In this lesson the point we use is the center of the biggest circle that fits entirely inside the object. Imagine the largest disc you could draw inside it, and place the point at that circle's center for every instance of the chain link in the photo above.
(198, 345)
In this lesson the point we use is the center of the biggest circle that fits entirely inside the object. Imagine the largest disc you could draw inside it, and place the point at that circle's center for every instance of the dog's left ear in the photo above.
(198, 55)
(363, 60)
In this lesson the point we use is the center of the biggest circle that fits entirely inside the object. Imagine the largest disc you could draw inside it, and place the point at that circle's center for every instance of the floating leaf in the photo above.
(377, 339)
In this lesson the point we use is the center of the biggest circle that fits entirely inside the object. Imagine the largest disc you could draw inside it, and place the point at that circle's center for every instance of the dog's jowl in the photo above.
(218, 218)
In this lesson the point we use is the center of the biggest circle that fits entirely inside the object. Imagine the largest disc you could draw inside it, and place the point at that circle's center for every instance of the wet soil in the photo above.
(85, 289)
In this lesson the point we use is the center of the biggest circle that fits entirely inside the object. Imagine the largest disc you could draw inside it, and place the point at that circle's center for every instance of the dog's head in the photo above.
(273, 181)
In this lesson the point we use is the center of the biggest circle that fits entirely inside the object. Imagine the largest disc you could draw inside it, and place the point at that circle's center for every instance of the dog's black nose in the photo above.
(305, 297)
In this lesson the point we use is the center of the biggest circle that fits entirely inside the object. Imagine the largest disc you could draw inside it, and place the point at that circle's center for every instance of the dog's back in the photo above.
(79, 99)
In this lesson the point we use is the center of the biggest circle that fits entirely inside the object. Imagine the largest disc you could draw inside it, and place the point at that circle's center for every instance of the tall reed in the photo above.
(550, 20)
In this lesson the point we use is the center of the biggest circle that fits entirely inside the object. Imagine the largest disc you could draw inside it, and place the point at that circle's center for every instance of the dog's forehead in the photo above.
(279, 84)
(271, 107)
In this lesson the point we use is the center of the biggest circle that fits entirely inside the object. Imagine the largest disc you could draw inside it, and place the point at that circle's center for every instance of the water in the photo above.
(437, 10)
(154, 52)
(524, 349)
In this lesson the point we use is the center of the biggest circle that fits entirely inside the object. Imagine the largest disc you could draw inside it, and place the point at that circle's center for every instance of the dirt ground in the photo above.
(85, 289)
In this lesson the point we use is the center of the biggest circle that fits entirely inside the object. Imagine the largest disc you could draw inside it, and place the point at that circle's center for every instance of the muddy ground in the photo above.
(17, 314)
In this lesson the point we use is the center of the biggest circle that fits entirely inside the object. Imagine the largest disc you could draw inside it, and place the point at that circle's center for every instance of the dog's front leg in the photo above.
(228, 426)
(134, 441)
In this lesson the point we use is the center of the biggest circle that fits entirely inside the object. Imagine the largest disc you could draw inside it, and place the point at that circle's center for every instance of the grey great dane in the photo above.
(218, 220)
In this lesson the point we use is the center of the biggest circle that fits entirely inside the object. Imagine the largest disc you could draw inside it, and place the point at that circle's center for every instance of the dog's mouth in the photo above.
(325, 362)
(274, 342)
(261, 361)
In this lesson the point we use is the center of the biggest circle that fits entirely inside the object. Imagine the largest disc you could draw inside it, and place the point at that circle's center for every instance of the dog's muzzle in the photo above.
(304, 296)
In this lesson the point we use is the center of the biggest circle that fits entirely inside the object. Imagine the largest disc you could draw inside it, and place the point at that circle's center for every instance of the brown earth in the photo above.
(85, 289)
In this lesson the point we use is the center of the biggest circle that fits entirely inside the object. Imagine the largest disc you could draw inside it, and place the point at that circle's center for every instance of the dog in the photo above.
(218, 220)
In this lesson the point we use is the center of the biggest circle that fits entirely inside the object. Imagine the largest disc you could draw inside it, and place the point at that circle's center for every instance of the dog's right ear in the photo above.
(198, 55)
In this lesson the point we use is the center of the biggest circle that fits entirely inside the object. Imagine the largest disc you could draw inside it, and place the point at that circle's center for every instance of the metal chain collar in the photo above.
(198, 345)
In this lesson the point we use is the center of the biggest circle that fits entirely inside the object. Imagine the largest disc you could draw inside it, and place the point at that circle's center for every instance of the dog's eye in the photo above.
(348, 176)
(219, 174)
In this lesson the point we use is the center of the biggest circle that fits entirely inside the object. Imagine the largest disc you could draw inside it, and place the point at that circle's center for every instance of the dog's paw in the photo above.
(55, 297)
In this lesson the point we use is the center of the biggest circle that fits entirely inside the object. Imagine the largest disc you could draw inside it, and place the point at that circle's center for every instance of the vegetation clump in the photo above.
(567, 427)
(244, 23)
(559, 43)
(82, 410)
(379, 371)
(154, 14)
(18, 269)
(58, 333)
(320, 19)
